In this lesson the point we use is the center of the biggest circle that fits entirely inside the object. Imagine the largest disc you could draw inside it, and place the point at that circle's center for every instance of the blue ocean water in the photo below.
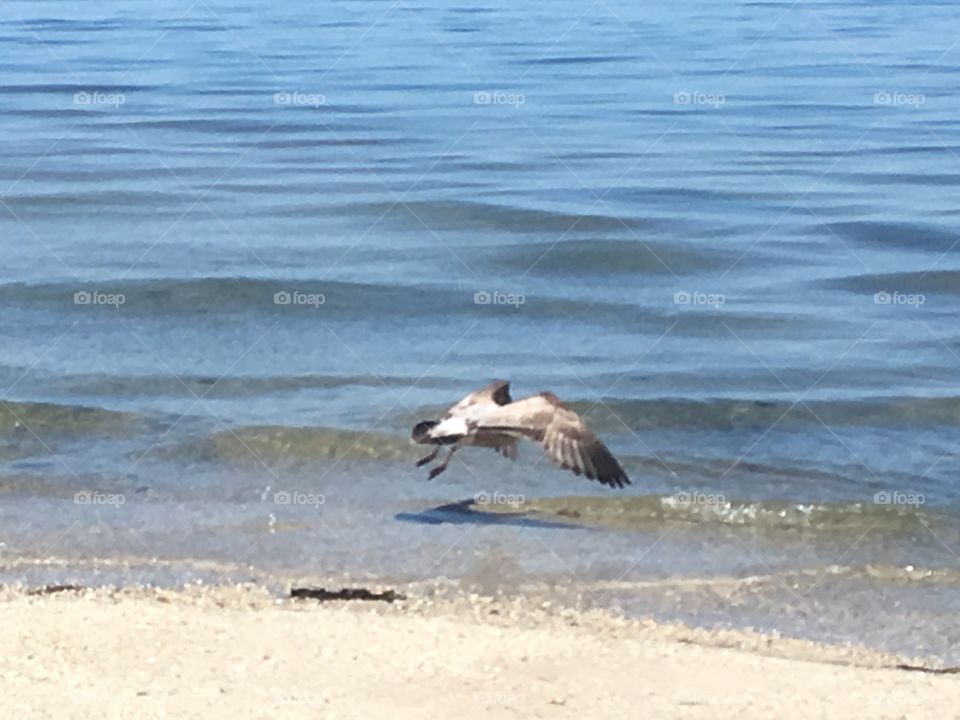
(245, 232)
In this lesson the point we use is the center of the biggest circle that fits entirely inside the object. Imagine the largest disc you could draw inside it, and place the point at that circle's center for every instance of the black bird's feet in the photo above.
(427, 458)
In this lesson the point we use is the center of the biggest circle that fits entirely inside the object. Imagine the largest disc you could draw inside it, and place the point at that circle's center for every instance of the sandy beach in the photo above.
(241, 652)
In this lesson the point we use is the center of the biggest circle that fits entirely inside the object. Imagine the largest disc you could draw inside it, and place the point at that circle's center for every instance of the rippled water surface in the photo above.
(245, 246)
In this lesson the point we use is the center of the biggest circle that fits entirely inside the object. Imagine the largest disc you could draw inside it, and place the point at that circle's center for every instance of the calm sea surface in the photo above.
(245, 245)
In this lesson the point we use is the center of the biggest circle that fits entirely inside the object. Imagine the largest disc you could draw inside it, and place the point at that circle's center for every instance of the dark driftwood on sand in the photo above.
(324, 595)
(51, 589)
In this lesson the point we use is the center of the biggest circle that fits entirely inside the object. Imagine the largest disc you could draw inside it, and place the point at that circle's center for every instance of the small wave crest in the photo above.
(707, 510)
(52, 419)
(274, 446)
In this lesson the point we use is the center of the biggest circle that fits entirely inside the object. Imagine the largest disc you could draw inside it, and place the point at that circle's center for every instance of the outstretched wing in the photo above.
(568, 441)
(563, 435)
(496, 393)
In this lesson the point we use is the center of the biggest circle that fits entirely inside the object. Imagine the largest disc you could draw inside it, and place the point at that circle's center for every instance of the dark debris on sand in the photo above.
(324, 595)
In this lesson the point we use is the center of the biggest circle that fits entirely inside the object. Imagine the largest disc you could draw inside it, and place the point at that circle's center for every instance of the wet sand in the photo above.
(238, 651)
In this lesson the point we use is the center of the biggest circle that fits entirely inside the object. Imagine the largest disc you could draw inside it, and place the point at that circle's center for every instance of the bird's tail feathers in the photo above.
(443, 432)
(421, 431)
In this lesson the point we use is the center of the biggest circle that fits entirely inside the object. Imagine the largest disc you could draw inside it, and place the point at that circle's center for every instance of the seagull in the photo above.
(489, 418)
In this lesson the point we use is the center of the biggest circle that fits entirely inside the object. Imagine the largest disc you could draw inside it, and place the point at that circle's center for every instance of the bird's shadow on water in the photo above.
(463, 512)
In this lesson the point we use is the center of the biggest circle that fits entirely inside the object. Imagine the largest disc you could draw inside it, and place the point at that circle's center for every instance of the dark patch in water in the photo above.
(465, 513)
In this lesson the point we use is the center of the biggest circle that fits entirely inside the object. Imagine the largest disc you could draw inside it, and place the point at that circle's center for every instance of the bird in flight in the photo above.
(489, 418)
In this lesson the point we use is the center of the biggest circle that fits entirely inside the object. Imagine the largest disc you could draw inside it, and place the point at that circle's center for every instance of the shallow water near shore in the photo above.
(246, 248)
(858, 572)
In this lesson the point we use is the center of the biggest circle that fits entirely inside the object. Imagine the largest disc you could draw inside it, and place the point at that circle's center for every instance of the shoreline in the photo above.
(747, 609)
(205, 651)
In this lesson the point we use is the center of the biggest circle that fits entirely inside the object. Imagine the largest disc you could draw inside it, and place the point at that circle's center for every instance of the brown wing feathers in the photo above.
(570, 443)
